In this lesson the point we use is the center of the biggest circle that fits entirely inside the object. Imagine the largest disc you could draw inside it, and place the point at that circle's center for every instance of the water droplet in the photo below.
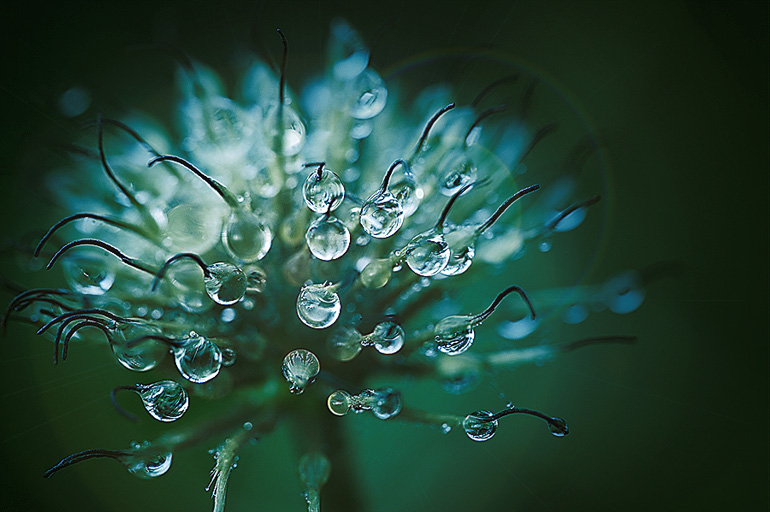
(319, 192)
(445, 428)
(624, 293)
(345, 343)
(558, 427)
(387, 403)
(294, 132)
(141, 357)
(88, 272)
(314, 470)
(376, 274)
(256, 278)
(388, 337)
(228, 315)
(454, 334)
(544, 246)
(370, 95)
(458, 170)
(339, 402)
(193, 227)
(245, 237)
(479, 426)
(165, 400)
(460, 258)
(299, 368)
(427, 253)
(575, 314)
(198, 359)
(248, 426)
(382, 214)
(225, 284)
(150, 466)
(328, 238)
(74, 102)
(228, 357)
(318, 305)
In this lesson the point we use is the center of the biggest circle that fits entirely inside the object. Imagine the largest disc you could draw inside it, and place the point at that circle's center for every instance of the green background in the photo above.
(677, 422)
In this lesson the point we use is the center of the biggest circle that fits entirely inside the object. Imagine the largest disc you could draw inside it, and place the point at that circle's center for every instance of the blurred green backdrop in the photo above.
(679, 421)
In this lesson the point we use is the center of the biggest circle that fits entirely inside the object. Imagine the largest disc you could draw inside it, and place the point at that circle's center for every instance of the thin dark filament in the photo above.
(503, 207)
(485, 314)
(133, 133)
(597, 340)
(76, 328)
(103, 245)
(63, 327)
(389, 173)
(84, 455)
(449, 204)
(220, 189)
(47, 300)
(426, 131)
(583, 204)
(66, 220)
(489, 88)
(121, 410)
(189, 255)
(540, 135)
(520, 410)
(319, 171)
(15, 302)
(108, 169)
(90, 311)
(488, 112)
(282, 84)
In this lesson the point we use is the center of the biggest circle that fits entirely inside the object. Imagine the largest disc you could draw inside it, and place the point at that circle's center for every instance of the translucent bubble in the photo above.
(88, 273)
(454, 334)
(74, 102)
(382, 215)
(370, 95)
(323, 193)
(624, 293)
(479, 426)
(141, 357)
(314, 470)
(518, 329)
(544, 246)
(445, 428)
(165, 400)
(345, 343)
(193, 227)
(347, 51)
(457, 170)
(410, 196)
(225, 284)
(459, 261)
(198, 359)
(376, 273)
(294, 133)
(318, 305)
(245, 237)
(228, 357)
(575, 314)
(150, 466)
(339, 402)
(558, 427)
(328, 238)
(183, 282)
(256, 278)
(427, 253)
(387, 403)
(299, 368)
(388, 337)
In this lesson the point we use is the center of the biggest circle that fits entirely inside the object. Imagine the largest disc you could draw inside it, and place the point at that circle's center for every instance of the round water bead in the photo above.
(245, 237)
(387, 403)
(458, 170)
(193, 227)
(323, 192)
(427, 253)
(299, 368)
(624, 293)
(318, 305)
(459, 261)
(225, 284)
(328, 238)
(479, 426)
(88, 272)
(558, 427)
(339, 402)
(294, 133)
(345, 343)
(150, 466)
(183, 282)
(256, 278)
(382, 215)
(141, 357)
(454, 334)
(198, 359)
(314, 470)
(370, 95)
(165, 400)
(388, 337)
(376, 273)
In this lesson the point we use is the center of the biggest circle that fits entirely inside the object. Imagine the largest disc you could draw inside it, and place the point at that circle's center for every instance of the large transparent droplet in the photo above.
(150, 466)
(387, 403)
(454, 335)
(457, 170)
(183, 283)
(318, 305)
(198, 359)
(558, 427)
(314, 470)
(339, 402)
(369, 95)
(388, 337)
(345, 343)
(299, 368)
(382, 215)
(294, 133)
(225, 284)
(327, 238)
(245, 237)
(256, 278)
(479, 426)
(193, 227)
(624, 293)
(165, 400)
(140, 357)
(323, 192)
(376, 273)
(462, 251)
(88, 272)
(427, 253)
